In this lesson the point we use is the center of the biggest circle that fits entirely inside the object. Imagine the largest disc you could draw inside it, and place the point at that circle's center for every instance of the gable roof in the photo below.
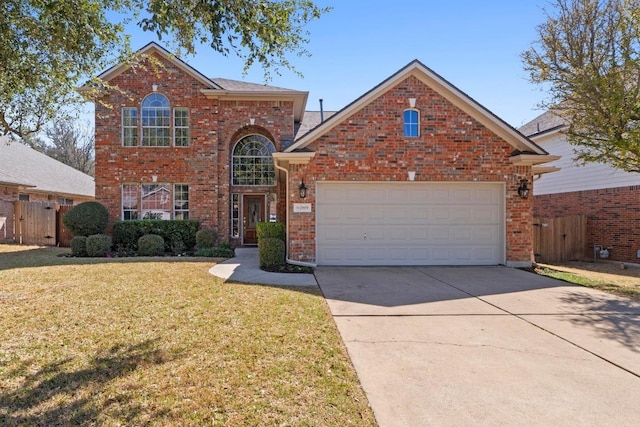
(23, 166)
(454, 95)
(216, 87)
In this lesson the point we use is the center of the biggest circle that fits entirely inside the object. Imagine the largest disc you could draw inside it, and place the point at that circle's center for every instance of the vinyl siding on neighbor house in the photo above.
(573, 177)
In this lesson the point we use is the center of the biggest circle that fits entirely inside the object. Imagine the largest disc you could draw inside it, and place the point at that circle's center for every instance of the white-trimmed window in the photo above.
(411, 123)
(129, 126)
(252, 161)
(181, 201)
(129, 202)
(181, 127)
(155, 201)
(156, 121)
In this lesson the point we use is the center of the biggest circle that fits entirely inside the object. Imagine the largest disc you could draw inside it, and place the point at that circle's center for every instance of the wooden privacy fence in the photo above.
(560, 239)
(35, 223)
(40, 223)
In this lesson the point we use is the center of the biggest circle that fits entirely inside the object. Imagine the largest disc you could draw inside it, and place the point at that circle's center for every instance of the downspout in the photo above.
(286, 247)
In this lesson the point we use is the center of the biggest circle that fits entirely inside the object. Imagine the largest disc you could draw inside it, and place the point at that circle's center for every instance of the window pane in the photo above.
(156, 119)
(411, 125)
(181, 127)
(181, 201)
(155, 201)
(252, 161)
(129, 127)
(129, 201)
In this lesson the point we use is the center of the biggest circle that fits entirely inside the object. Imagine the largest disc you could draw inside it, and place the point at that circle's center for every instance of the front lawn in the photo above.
(162, 342)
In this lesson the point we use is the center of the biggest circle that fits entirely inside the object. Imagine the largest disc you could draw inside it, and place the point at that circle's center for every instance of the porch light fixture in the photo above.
(523, 189)
(303, 190)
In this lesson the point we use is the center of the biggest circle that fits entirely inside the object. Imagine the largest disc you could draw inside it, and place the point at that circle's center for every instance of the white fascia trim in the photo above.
(298, 158)
(532, 159)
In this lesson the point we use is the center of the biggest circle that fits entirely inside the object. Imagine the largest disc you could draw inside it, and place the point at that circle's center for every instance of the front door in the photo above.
(253, 213)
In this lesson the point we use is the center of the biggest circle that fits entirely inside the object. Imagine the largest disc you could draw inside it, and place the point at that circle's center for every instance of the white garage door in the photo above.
(410, 223)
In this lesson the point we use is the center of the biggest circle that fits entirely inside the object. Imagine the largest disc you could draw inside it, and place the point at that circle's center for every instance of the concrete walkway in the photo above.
(486, 346)
(245, 268)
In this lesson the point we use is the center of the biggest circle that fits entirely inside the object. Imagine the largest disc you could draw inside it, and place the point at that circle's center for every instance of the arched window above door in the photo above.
(252, 162)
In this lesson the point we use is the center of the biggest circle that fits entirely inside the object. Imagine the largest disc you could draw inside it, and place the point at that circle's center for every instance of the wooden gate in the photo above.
(35, 223)
(63, 234)
(560, 239)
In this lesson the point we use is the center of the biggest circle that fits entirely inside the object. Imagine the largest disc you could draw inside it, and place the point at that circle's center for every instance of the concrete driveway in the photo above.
(486, 346)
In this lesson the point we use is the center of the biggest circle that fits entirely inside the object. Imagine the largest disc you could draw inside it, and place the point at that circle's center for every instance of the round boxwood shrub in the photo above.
(206, 238)
(271, 252)
(86, 219)
(150, 245)
(98, 245)
(79, 246)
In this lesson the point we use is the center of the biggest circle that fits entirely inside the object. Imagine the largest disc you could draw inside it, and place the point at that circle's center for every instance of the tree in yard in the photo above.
(588, 54)
(48, 47)
(71, 145)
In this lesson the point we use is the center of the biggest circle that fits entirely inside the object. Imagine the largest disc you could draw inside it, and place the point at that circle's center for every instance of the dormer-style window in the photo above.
(411, 123)
(156, 121)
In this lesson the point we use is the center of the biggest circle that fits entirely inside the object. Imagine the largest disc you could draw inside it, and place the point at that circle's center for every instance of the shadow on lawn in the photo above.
(55, 395)
(51, 256)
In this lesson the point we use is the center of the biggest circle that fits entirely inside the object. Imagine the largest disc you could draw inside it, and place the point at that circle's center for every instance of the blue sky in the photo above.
(475, 45)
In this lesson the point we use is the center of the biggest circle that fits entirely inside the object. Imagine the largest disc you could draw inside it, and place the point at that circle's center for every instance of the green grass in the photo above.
(159, 341)
(603, 285)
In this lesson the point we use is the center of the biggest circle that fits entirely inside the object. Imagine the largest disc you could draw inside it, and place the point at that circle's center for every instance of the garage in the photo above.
(410, 223)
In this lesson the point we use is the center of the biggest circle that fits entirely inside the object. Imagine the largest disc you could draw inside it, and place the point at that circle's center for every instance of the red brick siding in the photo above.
(205, 165)
(613, 216)
(370, 146)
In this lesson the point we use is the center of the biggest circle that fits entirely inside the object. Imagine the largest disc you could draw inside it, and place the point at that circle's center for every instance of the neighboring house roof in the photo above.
(21, 165)
(545, 123)
(531, 153)
(216, 87)
(547, 131)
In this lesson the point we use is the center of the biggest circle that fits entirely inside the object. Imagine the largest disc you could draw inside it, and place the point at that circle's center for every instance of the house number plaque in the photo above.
(302, 207)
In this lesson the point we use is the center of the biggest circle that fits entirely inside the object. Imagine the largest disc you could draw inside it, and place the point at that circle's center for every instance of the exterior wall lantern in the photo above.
(523, 189)
(303, 190)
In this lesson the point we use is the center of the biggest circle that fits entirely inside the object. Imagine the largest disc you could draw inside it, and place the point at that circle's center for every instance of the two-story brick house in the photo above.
(413, 172)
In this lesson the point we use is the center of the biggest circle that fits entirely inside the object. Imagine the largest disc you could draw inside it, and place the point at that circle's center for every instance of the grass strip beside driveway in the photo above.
(162, 342)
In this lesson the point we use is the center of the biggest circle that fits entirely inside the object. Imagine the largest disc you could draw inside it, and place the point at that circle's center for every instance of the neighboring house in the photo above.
(414, 172)
(28, 175)
(610, 198)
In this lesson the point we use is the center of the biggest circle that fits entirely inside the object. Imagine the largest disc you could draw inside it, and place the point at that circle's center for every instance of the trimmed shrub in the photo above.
(150, 245)
(177, 247)
(98, 245)
(206, 238)
(127, 233)
(217, 252)
(86, 219)
(271, 252)
(79, 246)
(267, 230)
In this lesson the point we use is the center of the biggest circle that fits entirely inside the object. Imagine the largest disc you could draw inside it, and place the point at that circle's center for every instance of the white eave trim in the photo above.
(298, 158)
(541, 170)
(532, 159)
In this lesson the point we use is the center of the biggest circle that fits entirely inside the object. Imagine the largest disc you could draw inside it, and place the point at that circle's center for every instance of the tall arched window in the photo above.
(252, 161)
(156, 121)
